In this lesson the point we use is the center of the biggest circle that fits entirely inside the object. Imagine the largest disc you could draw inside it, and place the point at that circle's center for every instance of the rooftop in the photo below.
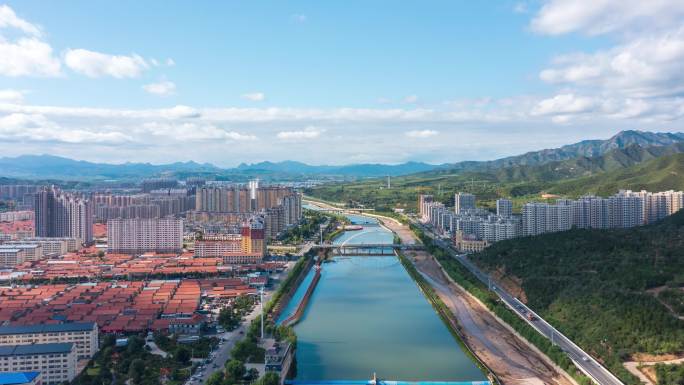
(47, 328)
(16, 378)
(23, 350)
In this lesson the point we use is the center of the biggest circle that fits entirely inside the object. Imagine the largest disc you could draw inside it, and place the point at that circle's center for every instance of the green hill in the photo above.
(603, 174)
(600, 287)
(656, 175)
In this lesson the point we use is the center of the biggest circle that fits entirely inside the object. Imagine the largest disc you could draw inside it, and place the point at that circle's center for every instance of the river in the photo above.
(367, 315)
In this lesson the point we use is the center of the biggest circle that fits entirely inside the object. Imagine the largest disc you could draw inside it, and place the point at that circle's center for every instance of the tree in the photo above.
(216, 378)
(235, 370)
(182, 355)
(269, 378)
(136, 370)
(252, 374)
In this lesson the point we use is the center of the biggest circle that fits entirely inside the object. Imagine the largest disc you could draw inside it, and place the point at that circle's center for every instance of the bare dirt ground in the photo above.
(510, 358)
(643, 365)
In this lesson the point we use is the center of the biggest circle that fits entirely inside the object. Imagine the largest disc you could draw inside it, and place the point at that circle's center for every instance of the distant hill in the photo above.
(583, 149)
(356, 170)
(613, 292)
(55, 167)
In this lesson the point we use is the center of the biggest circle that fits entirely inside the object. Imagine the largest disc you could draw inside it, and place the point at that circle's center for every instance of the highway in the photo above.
(592, 368)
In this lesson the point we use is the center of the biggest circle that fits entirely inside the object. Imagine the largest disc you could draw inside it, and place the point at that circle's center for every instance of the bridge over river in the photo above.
(367, 249)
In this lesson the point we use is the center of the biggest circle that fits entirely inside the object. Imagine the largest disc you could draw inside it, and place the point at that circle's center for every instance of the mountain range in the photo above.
(584, 156)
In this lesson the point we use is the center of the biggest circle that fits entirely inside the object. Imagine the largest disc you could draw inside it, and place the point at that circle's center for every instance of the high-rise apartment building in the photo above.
(540, 218)
(463, 201)
(423, 200)
(59, 214)
(130, 236)
(504, 207)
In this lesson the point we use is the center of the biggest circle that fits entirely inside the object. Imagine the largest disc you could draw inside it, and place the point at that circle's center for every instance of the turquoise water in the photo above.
(367, 315)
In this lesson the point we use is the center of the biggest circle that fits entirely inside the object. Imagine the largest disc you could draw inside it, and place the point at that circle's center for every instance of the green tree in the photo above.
(136, 370)
(235, 371)
(182, 355)
(215, 378)
(269, 378)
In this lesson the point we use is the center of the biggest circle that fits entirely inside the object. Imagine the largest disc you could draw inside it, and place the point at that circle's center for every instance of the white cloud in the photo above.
(27, 57)
(643, 67)
(170, 62)
(11, 96)
(421, 134)
(95, 64)
(39, 128)
(594, 17)
(191, 131)
(163, 88)
(308, 133)
(564, 104)
(9, 19)
(254, 96)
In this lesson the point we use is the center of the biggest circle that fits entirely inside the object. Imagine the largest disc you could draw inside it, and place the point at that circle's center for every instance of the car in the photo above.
(585, 359)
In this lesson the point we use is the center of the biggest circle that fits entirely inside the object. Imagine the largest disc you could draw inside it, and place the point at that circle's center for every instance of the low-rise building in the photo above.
(82, 334)
(56, 361)
(10, 257)
(21, 378)
(279, 357)
(466, 243)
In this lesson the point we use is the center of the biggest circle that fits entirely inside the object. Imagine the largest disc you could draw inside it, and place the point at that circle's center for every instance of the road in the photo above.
(220, 356)
(582, 360)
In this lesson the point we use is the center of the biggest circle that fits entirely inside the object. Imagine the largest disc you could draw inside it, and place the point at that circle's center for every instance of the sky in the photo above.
(333, 82)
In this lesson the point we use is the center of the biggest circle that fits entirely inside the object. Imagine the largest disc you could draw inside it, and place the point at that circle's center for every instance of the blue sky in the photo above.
(332, 82)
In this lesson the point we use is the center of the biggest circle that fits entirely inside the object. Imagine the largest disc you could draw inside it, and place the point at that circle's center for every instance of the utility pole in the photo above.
(261, 294)
(389, 182)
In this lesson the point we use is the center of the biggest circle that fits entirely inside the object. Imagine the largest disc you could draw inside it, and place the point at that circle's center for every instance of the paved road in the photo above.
(220, 356)
(585, 362)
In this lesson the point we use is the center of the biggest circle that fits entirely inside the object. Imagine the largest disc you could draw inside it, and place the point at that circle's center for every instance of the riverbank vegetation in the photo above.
(599, 286)
(470, 283)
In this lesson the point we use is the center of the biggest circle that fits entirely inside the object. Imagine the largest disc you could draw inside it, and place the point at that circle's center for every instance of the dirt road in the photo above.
(511, 359)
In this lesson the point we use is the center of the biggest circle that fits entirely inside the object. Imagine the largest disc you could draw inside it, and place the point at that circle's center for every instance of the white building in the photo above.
(55, 361)
(82, 334)
(540, 218)
(163, 235)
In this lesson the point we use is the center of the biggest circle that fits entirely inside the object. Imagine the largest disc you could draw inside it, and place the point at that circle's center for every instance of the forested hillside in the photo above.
(601, 287)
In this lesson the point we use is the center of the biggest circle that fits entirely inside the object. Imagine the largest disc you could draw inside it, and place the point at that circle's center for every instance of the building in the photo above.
(21, 378)
(540, 218)
(279, 357)
(504, 208)
(463, 201)
(10, 257)
(468, 244)
(130, 236)
(59, 214)
(32, 251)
(423, 201)
(148, 185)
(247, 247)
(55, 361)
(59, 245)
(11, 216)
(84, 335)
